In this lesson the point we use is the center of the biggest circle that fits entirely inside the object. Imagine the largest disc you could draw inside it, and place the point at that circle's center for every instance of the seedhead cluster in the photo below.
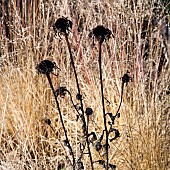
(63, 26)
(99, 106)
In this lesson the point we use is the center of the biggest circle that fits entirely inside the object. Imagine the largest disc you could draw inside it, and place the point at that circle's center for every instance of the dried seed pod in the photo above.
(126, 78)
(89, 111)
(98, 146)
(79, 97)
(61, 91)
(45, 67)
(62, 25)
(117, 134)
(100, 33)
(93, 138)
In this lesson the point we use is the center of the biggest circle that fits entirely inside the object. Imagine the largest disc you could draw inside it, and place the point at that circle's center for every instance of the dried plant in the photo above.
(62, 26)
(102, 34)
(137, 115)
(46, 67)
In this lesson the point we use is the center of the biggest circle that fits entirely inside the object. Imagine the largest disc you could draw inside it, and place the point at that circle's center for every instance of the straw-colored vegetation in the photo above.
(27, 37)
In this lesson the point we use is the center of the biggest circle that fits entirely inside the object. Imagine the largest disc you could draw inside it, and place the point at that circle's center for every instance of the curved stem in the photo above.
(62, 122)
(121, 98)
(73, 102)
(104, 115)
(81, 101)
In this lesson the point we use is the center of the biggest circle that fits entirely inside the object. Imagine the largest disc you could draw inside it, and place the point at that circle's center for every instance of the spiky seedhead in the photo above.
(62, 26)
(126, 78)
(61, 91)
(100, 33)
(45, 67)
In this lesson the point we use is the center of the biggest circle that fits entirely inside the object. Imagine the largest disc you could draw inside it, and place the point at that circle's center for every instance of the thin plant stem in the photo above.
(62, 122)
(81, 101)
(67, 158)
(121, 98)
(104, 115)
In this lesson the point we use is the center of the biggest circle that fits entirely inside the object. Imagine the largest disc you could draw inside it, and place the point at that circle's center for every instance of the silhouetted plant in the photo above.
(101, 34)
(48, 122)
(62, 26)
(46, 67)
(125, 80)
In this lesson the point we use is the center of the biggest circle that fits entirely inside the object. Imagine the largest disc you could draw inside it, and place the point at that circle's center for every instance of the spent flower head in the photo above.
(61, 91)
(46, 66)
(62, 25)
(100, 33)
(126, 78)
(89, 111)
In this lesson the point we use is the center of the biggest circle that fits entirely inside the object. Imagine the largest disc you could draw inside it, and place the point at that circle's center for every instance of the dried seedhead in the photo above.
(100, 33)
(79, 96)
(89, 111)
(126, 78)
(117, 134)
(93, 138)
(46, 67)
(61, 91)
(62, 26)
(98, 146)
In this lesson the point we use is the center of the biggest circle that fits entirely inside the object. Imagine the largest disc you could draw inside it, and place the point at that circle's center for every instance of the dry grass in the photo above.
(26, 99)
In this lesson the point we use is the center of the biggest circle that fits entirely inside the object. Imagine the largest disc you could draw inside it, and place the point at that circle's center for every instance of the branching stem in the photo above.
(81, 101)
(61, 118)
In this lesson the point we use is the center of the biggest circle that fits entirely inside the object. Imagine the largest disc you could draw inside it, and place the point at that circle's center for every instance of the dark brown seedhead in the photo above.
(45, 67)
(61, 91)
(89, 111)
(100, 33)
(126, 78)
(62, 26)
